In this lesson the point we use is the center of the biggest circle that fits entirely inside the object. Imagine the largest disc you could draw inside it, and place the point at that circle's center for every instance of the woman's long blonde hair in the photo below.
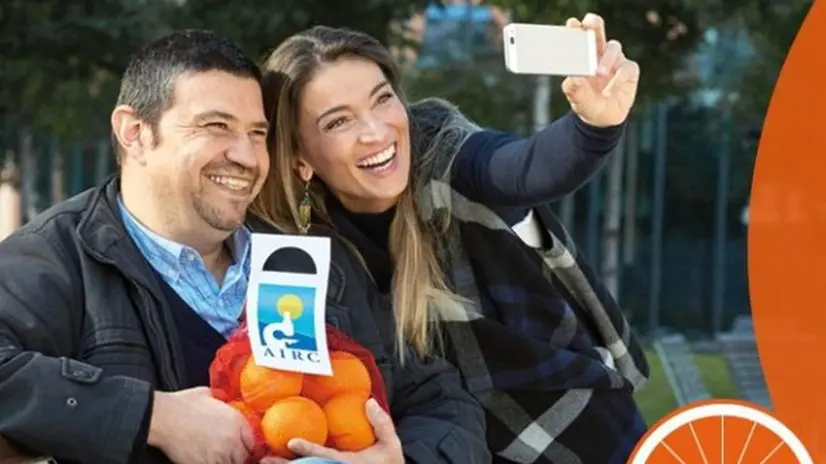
(419, 290)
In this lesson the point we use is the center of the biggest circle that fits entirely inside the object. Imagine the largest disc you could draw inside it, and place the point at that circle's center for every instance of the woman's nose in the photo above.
(374, 130)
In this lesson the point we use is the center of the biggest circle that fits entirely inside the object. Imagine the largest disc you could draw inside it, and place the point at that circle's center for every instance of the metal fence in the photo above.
(50, 171)
(682, 245)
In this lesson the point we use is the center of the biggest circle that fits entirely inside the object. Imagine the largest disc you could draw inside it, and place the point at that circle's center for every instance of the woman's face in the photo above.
(354, 135)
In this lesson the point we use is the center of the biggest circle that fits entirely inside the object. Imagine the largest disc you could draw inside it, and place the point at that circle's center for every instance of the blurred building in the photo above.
(457, 30)
(720, 64)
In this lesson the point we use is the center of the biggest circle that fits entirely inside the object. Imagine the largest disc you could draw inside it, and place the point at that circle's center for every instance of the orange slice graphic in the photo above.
(720, 432)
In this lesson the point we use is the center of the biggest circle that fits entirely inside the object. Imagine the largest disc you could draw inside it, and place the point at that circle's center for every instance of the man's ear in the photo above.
(127, 128)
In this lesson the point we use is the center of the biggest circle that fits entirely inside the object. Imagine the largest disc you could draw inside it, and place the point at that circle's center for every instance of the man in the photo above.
(113, 303)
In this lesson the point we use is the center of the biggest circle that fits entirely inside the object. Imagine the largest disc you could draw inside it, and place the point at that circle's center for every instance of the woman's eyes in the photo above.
(383, 98)
(338, 122)
(335, 123)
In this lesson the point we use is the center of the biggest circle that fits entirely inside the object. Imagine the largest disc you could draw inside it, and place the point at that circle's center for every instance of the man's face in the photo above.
(210, 158)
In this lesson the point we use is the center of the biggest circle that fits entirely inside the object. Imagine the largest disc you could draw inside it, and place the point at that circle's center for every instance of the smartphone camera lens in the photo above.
(512, 40)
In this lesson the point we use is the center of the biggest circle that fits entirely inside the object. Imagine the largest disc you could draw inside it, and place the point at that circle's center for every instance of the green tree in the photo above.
(770, 28)
(61, 60)
(259, 26)
(658, 35)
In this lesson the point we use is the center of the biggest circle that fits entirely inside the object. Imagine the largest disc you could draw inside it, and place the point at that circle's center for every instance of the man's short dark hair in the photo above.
(148, 82)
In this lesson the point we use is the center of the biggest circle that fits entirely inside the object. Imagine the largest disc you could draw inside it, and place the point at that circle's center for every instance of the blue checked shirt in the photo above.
(183, 269)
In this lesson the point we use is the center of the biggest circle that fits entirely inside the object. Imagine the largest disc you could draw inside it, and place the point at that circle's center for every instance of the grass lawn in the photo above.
(656, 400)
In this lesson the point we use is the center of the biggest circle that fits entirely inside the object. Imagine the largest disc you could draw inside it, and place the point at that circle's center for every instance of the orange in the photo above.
(349, 376)
(261, 386)
(349, 428)
(293, 417)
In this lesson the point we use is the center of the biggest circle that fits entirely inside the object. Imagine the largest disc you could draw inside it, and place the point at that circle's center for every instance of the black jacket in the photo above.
(86, 336)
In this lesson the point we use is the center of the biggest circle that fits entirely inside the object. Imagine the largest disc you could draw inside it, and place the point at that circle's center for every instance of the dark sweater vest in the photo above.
(199, 341)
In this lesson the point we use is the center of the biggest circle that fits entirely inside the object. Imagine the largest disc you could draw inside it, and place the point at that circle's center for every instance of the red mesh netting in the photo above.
(225, 372)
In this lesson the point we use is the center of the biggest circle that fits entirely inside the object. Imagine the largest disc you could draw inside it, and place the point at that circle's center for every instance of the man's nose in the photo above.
(243, 152)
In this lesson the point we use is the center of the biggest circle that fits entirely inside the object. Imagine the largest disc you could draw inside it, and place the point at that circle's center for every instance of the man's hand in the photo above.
(605, 99)
(192, 427)
(386, 450)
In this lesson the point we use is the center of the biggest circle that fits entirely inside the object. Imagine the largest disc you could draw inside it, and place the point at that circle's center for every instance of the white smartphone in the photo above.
(549, 50)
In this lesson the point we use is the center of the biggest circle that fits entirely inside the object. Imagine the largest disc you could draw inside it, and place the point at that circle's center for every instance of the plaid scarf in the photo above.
(542, 344)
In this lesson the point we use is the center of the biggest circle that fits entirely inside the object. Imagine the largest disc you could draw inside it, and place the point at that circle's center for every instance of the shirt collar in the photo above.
(239, 245)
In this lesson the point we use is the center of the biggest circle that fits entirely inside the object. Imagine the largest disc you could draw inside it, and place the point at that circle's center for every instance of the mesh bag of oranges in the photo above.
(283, 405)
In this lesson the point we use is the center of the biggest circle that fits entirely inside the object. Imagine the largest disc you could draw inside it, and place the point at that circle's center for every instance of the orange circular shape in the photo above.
(720, 431)
(786, 230)
(349, 376)
(262, 386)
(290, 418)
(347, 422)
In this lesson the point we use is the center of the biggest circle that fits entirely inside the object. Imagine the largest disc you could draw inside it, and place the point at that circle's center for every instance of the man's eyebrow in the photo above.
(212, 115)
(207, 115)
(337, 108)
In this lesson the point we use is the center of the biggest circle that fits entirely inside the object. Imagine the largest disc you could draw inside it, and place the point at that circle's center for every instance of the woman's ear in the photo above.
(305, 172)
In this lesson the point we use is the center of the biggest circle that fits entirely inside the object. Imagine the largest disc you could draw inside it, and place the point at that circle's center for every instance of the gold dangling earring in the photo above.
(305, 209)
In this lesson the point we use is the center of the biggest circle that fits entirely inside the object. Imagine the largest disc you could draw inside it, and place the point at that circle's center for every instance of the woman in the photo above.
(452, 222)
